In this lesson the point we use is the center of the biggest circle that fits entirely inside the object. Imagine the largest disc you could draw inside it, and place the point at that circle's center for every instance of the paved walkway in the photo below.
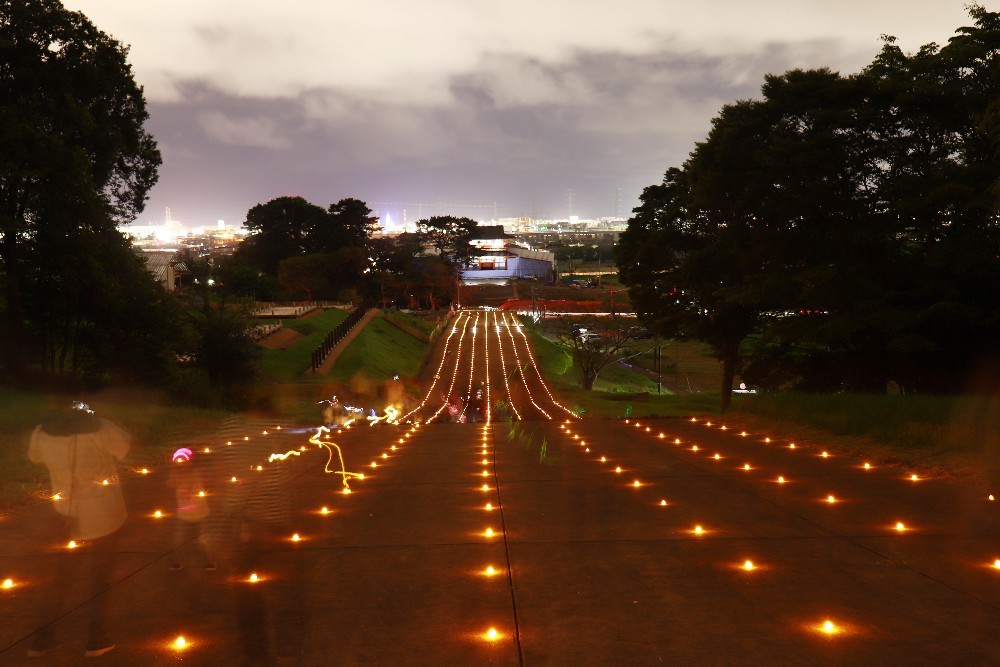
(587, 567)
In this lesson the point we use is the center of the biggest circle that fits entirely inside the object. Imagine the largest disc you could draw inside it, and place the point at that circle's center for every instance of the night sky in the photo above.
(457, 104)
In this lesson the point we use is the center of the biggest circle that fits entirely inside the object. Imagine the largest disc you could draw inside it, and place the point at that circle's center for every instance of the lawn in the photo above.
(379, 353)
(291, 364)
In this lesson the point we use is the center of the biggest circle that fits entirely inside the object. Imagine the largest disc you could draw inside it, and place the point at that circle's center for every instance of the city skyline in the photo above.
(501, 111)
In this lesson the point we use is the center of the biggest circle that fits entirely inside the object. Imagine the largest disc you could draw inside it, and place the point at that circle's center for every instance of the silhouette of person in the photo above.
(80, 451)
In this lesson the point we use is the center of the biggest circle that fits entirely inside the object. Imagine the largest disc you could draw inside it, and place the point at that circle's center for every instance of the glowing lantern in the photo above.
(324, 510)
(791, 446)
(8, 584)
(767, 440)
(868, 466)
(900, 527)
(488, 532)
(829, 628)
(490, 571)
(603, 460)
(296, 538)
(913, 478)
(618, 469)
(830, 499)
(636, 484)
(716, 457)
(492, 634)
(489, 506)
(996, 564)
(781, 480)
(158, 514)
(748, 565)
(746, 466)
(144, 471)
(486, 487)
(72, 544)
(179, 644)
(663, 503)
(253, 578)
(694, 448)
(698, 530)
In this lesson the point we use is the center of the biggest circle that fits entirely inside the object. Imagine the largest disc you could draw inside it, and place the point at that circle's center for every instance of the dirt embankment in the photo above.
(281, 339)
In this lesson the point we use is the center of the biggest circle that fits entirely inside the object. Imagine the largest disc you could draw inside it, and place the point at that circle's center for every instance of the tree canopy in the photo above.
(840, 232)
(75, 161)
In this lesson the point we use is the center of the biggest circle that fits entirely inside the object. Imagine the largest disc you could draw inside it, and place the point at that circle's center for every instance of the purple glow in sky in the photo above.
(438, 104)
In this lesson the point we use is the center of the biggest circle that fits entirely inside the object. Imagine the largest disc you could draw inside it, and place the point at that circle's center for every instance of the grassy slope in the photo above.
(290, 364)
(380, 352)
(616, 387)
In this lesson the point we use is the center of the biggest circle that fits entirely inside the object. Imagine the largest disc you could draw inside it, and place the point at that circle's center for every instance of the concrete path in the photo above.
(587, 567)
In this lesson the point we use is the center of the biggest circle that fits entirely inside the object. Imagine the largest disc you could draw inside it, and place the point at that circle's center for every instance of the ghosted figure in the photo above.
(192, 507)
(253, 523)
(81, 451)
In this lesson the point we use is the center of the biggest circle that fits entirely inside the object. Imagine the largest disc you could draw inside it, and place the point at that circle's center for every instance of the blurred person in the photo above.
(81, 451)
(192, 507)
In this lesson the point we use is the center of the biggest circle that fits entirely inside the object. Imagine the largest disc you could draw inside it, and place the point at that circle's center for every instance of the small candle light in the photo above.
(374, 465)
(158, 514)
(486, 487)
(663, 503)
(587, 450)
(324, 510)
(492, 634)
(746, 466)
(716, 457)
(384, 455)
(724, 427)
(708, 423)
(296, 538)
(486, 473)
(8, 584)
(490, 571)
(990, 497)
(488, 532)
(618, 469)
(743, 433)
(748, 565)
(489, 506)
(677, 441)
(105, 483)
(144, 471)
(485, 461)
(636, 484)
(791, 446)
(662, 436)
(72, 544)
(900, 527)
(393, 448)
(694, 448)
(347, 490)
(57, 497)
(868, 466)
(698, 530)
(603, 459)
(829, 628)
(781, 480)
(913, 478)
(253, 579)
(259, 468)
(825, 455)
(767, 440)
(996, 565)
(179, 644)
(830, 499)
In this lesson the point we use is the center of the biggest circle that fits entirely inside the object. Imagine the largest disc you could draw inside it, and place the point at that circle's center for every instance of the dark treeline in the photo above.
(842, 232)
(297, 250)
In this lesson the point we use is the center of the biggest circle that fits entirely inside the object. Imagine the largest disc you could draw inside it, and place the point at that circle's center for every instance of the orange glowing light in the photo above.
(384, 455)
(990, 497)
(748, 565)
(781, 480)
(647, 429)
(743, 433)
(698, 530)
(900, 527)
(489, 506)
(57, 497)
(791, 446)
(830, 499)
(636, 484)
(393, 448)
(677, 441)
(693, 419)
(767, 440)
(486, 473)
(829, 628)
(180, 644)
(296, 538)
(486, 487)
(996, 565)
(490, 571)
(913, 478)
(488, 532)
(868, 466)
(723, 427)
(716, 457)
(144, 471)
(746, 466)
(207, 450)
(105, 483)
(825, 455)
(662, 435)
(486, 462)
(663, 503)
(492, 634)
(374, 465)
(72, 544)
(694, 448)
(158, 514)
(253, 578)
(618, 469)
(324, 510)
(603, 460)
(8, 584)
(347, 490)
(587, 450)
(708, 423)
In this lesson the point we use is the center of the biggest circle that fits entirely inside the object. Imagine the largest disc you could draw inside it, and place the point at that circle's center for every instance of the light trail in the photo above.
(437, 374)
(503, 367)
(531, 357)
(520, 370)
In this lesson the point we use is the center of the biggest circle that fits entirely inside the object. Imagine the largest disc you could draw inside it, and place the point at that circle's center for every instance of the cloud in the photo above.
(256, 132)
